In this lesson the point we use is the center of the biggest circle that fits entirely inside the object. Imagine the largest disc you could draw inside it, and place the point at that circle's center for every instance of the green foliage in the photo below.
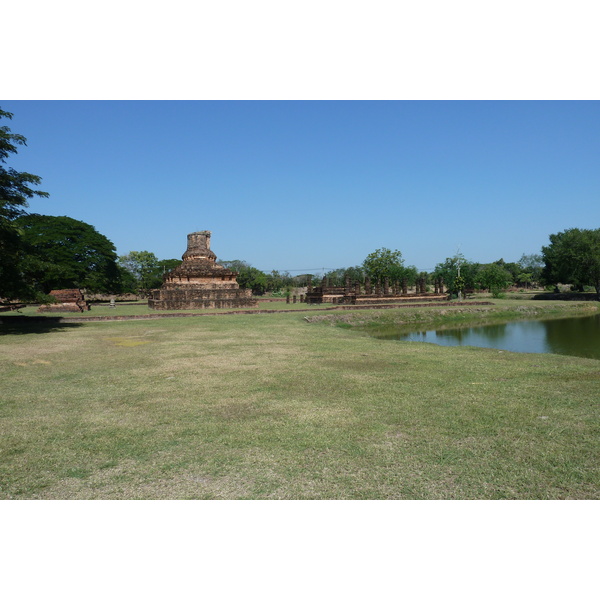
(449, 269)
(411, 275)
(15, 191)
(142, 271)
(14, 186)
(573, 257)
(356, 274)
(495, 278)
(303, 279)
(248, 277)
(279, 282)
(459, 284)
(128, 281)
(525, 278)
(513, 268)
(336, 278)
(384, 263)
(168, 264)
(65, 253)
(530, 266)
(254, 279)
(144, 267)
(234, 265)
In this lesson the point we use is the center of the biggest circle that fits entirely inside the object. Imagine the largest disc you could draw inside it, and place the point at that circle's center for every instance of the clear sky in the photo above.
(306, 185)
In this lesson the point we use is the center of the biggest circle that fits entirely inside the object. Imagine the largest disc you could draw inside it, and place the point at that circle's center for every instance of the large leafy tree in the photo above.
(495, 277)
(65, 253)
(15, 191)
(143, 265)
(254, 279)
(513, 268)
(573, 256)
(248, 277)
(142, 271)
(384, 263)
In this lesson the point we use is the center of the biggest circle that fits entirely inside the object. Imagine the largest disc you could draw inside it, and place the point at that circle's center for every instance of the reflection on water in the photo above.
(579, 336)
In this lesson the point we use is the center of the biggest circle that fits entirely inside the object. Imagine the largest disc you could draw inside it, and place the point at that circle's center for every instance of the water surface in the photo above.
(575, 336)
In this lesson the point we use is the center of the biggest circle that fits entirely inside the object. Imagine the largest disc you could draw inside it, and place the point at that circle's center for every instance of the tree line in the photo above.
(456, 273)
(39, 253)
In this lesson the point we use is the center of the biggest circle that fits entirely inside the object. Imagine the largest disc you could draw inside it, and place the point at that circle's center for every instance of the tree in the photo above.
(512, 267)
(533, 265)
(384, 263)
(168, 264)
(448, 272)
(495, 278)
(356, 274)
(142, 271)
(65, 253)
(128, 284)
(253, 279)
(573, 257)
(15, 191)
(248, 277)
(143, 265)
(279, 281)
(411, 274)
(234, 265)
(337, 277)
(525, 278)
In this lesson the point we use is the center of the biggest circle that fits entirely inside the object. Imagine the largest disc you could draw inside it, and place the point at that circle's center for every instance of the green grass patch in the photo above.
(272, 406)
(141, 309)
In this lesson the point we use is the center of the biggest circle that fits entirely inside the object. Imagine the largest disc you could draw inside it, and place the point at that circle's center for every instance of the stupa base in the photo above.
(189, 299)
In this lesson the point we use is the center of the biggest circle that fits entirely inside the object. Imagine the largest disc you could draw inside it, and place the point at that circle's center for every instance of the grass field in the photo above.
(141, 308)
(272, 406)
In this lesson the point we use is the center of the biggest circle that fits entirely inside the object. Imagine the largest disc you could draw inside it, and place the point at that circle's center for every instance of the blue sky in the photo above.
(306, 185)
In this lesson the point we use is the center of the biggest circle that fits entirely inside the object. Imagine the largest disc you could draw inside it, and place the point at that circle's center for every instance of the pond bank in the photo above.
(458, 314)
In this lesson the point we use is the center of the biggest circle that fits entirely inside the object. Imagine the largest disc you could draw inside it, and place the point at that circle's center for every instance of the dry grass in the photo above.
(270, 406)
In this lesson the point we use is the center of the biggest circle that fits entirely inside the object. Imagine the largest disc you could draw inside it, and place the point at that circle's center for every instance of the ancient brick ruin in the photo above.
(355, 293)
(66, 301)
(198, 282)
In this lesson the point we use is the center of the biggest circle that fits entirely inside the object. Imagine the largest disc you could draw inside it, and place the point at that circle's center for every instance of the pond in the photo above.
(575, 336)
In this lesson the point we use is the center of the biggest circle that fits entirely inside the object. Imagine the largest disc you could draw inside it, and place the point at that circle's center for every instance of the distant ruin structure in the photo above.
(355, 293)
(66, 301)
(198, 282)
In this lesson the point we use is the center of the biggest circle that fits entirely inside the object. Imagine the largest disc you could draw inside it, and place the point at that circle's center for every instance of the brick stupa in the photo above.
(198, 282)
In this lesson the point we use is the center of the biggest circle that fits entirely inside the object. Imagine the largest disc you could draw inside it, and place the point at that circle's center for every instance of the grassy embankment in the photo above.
(448, 316)
(270, 406)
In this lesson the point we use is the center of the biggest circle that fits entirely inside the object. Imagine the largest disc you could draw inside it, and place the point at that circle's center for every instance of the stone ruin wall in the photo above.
(66, 301)
(192, 298)
(204, 282)
(356, 293)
